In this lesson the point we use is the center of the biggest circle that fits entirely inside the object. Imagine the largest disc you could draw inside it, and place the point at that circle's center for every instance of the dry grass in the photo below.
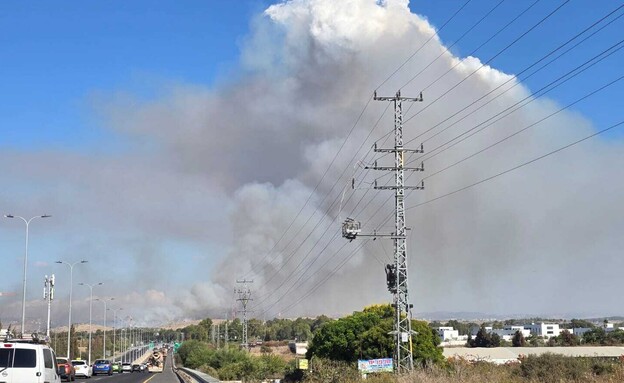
(547, 368)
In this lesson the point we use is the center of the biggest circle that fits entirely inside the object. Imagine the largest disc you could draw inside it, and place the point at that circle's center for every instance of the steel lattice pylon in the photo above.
(244, 296)
(402, 327)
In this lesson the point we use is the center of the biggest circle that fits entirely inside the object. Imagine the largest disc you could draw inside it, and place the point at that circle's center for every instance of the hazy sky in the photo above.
(174, 144)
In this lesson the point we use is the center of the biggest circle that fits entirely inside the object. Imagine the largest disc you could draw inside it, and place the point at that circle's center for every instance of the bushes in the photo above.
(230, 364)
(555, 368)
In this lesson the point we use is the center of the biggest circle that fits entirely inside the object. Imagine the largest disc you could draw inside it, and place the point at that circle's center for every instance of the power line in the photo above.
(423, 45)
(447, 49)
(521, 104)
(521, 73)
(518, 166)
(328, 276)
(317, 184)
(526, 127)
(558, 48)
(533, 27)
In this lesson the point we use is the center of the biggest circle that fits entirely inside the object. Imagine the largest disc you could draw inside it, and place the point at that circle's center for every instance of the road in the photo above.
(167, 376)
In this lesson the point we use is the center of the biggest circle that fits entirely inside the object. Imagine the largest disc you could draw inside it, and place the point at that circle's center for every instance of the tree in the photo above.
(485, 339)
(595, 336)
(366, 335)
(568, 339)
(426, 342)
(518, 339)
(581, 323)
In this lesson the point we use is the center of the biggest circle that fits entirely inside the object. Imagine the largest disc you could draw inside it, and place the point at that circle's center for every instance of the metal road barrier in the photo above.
(200, 377)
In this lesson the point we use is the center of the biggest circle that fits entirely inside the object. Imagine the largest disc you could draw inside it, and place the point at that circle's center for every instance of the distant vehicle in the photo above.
(66, 369)
(82, 368)
(27, 361)
(143, 367)
(136, 367)
(126, 367)
(102, 366)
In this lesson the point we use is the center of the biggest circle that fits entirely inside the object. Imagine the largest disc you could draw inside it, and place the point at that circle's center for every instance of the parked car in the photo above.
(82, 368)
(23, 361)
(126, 367)
(66, 369)
(102, 366)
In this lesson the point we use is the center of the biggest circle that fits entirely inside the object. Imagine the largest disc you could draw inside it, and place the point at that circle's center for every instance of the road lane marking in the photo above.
(152, 377)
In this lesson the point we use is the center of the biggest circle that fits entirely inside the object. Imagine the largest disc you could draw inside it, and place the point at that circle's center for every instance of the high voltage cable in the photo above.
(322, 216)
(492, 58)
(317, 184)
(509, 110)
(289, 289)
(517, 39)
(447, 49)
(333, 160)
(553, 51)
(548, 154)
(588, 95)
(519, 166)
(522, 72)
(327, 277)
(344, 141)
(488, 61)
(423, 45)
(480, 46)
(526, 127)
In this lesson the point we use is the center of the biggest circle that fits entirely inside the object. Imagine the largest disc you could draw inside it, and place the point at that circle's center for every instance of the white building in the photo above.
(447, 333)
(450, 337)
(546, 330)
(508, 332)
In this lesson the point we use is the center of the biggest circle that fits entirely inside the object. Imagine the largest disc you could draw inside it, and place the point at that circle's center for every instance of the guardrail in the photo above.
(199, 376)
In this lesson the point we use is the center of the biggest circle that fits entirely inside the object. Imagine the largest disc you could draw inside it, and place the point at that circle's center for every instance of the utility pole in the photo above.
(397, 273)
(227, 337)
(244, 296)
(48, 295)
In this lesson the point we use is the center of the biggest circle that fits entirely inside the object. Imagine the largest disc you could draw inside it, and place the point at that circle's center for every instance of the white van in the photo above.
(24, 361)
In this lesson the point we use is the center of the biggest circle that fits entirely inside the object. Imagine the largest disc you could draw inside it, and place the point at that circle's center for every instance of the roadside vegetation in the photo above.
(335, 346)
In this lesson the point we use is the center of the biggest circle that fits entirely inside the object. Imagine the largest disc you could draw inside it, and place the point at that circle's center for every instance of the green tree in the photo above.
(485, 339)
(595, 336)
(580, 323)
(426, 342)
(365, 335)
(518, 339)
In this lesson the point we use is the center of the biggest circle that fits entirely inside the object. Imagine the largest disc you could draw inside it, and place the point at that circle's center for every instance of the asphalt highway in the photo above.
(167, 376)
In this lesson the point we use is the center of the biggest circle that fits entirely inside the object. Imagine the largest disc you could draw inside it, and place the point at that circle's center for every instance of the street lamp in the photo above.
(105, 300)
(90, 311)
(27, 222)
(114, 331)
(71, 288)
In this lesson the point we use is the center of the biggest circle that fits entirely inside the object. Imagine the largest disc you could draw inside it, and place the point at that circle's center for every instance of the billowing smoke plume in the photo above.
(217, 176)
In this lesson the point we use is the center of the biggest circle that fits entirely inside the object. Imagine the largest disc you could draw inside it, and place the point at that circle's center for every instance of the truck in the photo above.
(156, 361)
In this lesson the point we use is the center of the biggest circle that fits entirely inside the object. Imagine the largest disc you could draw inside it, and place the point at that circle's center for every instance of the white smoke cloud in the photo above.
(227, 169)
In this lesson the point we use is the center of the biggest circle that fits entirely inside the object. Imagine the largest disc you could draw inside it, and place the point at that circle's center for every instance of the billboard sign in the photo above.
(375, 365)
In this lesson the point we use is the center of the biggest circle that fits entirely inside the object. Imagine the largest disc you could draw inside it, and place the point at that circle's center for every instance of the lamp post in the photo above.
(114, 329)
(105, 300)
(90, 311)
(71, 285)
(27, 222)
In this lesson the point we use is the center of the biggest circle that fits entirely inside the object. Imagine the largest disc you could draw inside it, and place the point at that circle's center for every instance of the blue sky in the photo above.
(57, 55)
(58, 60)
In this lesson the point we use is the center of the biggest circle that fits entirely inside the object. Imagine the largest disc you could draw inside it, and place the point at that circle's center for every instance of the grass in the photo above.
(548, 368)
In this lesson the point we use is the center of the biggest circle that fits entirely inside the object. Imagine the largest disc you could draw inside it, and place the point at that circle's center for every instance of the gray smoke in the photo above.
(216, 176)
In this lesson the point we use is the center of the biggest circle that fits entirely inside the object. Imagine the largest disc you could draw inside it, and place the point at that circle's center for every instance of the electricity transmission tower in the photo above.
(396, 274)
(244, 296)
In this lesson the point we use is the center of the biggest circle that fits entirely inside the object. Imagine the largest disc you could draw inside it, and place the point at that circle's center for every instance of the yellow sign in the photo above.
(302, 364)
